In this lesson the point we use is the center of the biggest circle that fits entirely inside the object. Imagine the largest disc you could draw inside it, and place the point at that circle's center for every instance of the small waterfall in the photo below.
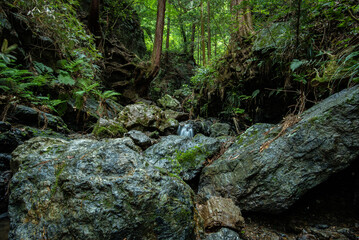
(185, 130)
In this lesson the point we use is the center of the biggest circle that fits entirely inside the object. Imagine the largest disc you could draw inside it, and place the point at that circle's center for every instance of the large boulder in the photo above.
(268, 169)
(182, 155)
(168, 102)
(144, 117)
(89, 189)
(36, 118)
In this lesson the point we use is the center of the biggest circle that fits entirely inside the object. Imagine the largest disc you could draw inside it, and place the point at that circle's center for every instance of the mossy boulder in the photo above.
(144, 117)
(89, 189)
(168, 102)
(181, 155)
(109, 129)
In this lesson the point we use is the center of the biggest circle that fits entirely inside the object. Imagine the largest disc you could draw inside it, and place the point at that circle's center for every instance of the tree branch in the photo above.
(352, 16)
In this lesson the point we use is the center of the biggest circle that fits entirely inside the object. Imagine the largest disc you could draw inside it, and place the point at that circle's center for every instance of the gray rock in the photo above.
(179, 116)
(223, 234)
(140, 139)
(144, 117)
(181, 155)
(168, 102)
(35, 118)
(89, 189)
(325, 141)
(220, 129)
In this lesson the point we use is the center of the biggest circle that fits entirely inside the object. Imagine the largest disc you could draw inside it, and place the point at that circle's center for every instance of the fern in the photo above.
(65, 78)
(42, 68)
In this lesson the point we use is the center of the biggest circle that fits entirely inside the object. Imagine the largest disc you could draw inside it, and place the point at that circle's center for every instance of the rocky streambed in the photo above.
(295, 180)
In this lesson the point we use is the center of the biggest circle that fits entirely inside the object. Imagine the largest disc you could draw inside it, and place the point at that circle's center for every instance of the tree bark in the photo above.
(168, 38)
(209, 31)
(299, 6)
(242, 18)
(193, 36)
(94, 21)
(203, 45)
(184, 36)
(157, 46)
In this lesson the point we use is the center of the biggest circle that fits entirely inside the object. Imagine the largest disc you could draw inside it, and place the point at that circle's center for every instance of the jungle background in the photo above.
(240, 61)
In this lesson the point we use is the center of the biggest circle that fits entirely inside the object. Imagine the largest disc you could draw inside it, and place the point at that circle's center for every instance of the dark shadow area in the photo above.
(333, 204)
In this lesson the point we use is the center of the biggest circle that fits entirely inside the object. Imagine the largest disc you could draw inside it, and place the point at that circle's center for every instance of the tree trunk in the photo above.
(157, 46)
(168, 38)
(199, 47)
(183, 33)
(94, 21)
(192, 41)
(203, 45)
(215, 43)
(298, 23)
(242, 18)
(209, 31)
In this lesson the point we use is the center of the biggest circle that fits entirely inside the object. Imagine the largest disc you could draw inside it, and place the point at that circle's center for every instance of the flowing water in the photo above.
(185, 130)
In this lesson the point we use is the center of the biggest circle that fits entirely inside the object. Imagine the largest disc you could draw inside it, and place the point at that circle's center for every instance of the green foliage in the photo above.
(6, 50)
(58, 21)
(297, 63)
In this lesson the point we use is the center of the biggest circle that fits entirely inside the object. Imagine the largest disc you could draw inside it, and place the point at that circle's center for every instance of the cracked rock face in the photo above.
(323, 142)
(89, 189)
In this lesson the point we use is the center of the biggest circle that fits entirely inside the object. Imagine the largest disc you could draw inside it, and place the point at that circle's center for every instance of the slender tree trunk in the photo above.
(157, 46)
(94, 21)
(298, 23)
(184, 36)
(199, 47)
(209, 31)
(203, 45)
(193, 36)
(168, 38)
(215, 43)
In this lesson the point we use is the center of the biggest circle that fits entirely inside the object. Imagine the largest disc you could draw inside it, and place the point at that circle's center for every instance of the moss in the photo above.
(115, 130)
(58, 171)
(188, 158)
(175, 176)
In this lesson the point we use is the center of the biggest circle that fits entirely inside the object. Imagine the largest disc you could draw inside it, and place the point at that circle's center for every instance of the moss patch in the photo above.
(110, 131)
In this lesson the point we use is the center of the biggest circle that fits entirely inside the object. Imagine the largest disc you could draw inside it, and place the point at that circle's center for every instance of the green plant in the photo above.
(6, 50)
(103, 97)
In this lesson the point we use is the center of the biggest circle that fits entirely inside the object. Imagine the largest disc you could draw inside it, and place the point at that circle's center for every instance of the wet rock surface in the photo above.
(183, 156)
(267, 172)
(89, 189)
(139, 138)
